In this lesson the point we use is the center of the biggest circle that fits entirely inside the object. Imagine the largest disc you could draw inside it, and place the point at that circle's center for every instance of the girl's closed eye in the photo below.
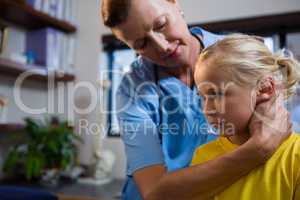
(214, 94)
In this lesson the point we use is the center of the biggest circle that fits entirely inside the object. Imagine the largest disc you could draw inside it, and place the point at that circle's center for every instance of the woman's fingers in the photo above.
(270, 124)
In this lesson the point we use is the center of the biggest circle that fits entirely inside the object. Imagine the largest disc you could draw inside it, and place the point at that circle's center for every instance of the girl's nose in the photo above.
(209, 108)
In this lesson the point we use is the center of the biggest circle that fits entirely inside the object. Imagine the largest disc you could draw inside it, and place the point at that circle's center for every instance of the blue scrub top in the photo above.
(182, 124)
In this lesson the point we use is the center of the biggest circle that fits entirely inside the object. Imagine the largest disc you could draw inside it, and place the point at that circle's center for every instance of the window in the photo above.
(293, 44)
(118, 62)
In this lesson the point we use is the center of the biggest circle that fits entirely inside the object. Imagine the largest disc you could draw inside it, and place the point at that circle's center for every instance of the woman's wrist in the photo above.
(259, 149)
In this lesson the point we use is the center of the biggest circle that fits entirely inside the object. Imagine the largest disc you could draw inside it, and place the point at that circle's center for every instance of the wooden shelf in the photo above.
(11, 128)
(11, 68)
(30, 18)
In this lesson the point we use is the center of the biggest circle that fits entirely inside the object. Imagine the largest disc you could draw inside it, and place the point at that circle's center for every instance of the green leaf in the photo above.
(29, 167)
(11, 161)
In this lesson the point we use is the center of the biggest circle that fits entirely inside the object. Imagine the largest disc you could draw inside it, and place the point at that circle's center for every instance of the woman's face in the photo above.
(156, 30)
(227, 106)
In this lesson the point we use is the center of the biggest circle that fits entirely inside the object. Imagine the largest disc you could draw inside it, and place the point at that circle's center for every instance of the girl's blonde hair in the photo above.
(246, 59)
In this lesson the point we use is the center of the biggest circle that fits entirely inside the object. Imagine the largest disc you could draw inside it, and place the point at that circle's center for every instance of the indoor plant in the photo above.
(48, 145)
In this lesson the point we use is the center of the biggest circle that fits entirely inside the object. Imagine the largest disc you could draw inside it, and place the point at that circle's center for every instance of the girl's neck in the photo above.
(239, 138)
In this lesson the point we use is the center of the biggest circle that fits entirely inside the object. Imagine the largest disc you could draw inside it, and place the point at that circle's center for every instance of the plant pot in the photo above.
(50, 178)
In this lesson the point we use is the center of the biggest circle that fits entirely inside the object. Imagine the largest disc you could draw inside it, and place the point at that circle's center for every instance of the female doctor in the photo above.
(159, 110)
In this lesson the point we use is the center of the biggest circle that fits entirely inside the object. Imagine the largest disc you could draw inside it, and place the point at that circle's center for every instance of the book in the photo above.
(13, 44)
(46, 6)
(36, 4)
(3, 39)
(44, 45)
(71, 55)
(3, 109)
(73, 12)
(67, 45)
(52, 49)
(67, 10)
(60, 9)
(53, 7)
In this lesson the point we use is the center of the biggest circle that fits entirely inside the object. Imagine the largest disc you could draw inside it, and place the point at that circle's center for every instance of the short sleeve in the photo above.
(138, 130)
(297, 164)
(207, 152)
(297, 192)
(196, 158)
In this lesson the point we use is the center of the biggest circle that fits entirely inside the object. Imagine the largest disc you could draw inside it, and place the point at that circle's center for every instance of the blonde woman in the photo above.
(233, 76)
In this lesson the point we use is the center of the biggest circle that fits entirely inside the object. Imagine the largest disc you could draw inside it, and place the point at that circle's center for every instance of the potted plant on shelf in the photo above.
(47, 149)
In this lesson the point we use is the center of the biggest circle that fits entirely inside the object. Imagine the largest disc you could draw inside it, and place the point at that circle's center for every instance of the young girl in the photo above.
(233, 76)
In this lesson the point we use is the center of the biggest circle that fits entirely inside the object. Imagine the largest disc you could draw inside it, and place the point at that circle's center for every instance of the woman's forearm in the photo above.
(205, 180)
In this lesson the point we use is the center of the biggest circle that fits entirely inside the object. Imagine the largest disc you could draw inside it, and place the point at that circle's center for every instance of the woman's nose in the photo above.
(160, 43)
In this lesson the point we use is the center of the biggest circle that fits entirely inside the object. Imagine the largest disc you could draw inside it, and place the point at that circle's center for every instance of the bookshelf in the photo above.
(14, 69)
(11, 128)
(30, 18)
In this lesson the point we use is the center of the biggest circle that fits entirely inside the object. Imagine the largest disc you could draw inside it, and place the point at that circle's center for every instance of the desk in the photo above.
(110, 191)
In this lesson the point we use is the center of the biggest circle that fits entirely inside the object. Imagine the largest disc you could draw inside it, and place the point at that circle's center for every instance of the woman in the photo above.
(159, 109)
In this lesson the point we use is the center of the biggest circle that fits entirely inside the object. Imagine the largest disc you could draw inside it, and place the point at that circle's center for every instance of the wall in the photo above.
(87, 69)
(215, 10)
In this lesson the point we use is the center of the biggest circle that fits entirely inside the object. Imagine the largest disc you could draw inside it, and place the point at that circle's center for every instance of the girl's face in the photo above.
(156, 30)
(227, 106)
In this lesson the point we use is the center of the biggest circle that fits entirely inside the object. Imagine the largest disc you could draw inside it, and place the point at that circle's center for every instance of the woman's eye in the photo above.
(161, 24)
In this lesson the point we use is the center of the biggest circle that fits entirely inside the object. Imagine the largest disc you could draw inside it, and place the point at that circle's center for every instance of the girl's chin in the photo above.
(223, 130)
(225, 134)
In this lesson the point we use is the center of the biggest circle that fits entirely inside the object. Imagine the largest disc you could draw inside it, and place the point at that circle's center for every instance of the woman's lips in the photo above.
(174, 53)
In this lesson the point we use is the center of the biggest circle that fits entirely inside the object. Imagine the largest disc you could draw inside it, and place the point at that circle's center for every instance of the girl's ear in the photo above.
(265, 89)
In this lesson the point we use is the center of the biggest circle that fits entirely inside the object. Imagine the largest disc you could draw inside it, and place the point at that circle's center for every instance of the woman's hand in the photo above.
(270, 126)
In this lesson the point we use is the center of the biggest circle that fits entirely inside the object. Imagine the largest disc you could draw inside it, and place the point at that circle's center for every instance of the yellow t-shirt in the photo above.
(278, 179)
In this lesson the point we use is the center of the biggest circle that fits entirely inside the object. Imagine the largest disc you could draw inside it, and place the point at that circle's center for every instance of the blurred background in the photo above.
(59, 71)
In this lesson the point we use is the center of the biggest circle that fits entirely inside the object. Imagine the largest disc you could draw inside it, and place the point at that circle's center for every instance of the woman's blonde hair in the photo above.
(246, 59)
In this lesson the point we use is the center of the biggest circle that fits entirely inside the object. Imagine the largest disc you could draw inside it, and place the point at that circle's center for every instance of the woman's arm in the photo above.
(207, 179)
(200, 181)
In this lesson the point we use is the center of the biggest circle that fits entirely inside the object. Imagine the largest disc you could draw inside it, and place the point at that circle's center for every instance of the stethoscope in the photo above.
(160, 111)
(210, 129)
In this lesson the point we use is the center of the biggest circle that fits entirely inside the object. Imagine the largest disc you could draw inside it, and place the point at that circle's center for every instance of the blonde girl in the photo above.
(233, 76)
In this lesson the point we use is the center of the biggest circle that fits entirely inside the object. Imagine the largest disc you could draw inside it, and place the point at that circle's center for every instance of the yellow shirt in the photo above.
(278, 179)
